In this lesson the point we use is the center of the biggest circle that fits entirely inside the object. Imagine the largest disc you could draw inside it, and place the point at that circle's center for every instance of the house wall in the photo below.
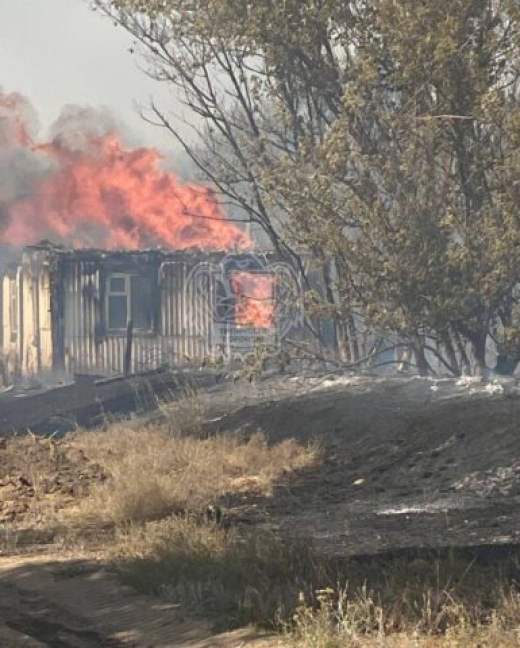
(9, 355)
(181, 327)
(10, 334)
(35, 319)
(66, 297)
(25, 320)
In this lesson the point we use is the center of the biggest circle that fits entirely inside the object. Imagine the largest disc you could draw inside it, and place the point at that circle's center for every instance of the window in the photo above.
(254, 295)
(118, 302)
(129, 297)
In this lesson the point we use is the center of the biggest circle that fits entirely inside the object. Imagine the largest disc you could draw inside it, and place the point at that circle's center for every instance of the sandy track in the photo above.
(58, 603)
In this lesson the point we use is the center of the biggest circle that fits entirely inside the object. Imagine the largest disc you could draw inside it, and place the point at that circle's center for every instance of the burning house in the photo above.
(67, 311)
(150, 269)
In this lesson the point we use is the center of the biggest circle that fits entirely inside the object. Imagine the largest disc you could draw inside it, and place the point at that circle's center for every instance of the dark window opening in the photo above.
(141, 302)
(129, 297)
(118, 284)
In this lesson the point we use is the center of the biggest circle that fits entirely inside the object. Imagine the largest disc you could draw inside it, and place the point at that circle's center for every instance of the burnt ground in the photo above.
(407, 466)
(407, 463)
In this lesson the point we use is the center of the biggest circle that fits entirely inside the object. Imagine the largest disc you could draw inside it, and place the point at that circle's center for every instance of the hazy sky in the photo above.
(58, 52)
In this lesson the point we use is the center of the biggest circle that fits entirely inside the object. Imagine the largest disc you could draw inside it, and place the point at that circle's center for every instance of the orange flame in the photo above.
(254, 299)
(104, 194)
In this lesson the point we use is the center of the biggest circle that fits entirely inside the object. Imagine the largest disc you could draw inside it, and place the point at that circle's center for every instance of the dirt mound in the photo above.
(38, 473)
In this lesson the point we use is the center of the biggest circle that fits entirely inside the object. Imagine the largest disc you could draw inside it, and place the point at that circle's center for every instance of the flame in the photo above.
(101, 193)
(254, 299)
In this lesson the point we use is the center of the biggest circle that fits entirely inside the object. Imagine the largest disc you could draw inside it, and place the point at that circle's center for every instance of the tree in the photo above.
(412, 191)
(379, 137)
(243, 109)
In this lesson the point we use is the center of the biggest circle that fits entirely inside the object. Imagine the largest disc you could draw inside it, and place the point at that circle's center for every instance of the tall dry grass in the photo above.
(360, 621)
(235, 577)
(158, 470)
(451, 602)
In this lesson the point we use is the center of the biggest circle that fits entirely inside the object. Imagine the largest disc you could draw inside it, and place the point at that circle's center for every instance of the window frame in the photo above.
(128, 278)
(117, 293)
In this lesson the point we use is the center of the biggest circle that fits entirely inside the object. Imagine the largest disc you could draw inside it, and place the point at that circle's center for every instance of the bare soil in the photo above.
(38, 474)
(55, 602)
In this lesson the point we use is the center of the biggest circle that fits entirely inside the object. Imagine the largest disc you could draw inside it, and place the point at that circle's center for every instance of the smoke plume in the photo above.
(86, 188)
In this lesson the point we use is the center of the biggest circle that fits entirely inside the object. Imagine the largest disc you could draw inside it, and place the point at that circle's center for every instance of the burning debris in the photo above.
(86, 188)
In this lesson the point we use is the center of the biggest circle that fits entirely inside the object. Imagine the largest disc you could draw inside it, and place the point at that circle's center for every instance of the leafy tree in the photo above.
(380, 137)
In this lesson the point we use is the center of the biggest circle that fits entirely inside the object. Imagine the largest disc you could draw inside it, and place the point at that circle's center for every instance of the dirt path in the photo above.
(52, 602)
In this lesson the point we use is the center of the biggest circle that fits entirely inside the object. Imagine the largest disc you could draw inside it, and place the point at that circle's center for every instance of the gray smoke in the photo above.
(78, 126)
(21, 167)
(17, 116)
(20, 171)
(8, 255)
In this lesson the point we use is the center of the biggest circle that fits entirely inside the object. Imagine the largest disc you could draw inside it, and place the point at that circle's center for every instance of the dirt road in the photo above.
(55, 602)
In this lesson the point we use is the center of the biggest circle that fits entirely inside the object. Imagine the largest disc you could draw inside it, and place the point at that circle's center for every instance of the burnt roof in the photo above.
(94, 254)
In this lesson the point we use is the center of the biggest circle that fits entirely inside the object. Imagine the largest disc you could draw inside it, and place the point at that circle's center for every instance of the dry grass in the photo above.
(186, 414)
(165, 468)
(359, 622)
(239, 577)
(233, 576)
(478, 607)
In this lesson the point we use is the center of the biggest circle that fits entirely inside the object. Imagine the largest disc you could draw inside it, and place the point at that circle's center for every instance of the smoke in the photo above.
(87, 187)
(21, 168)
(18, 120)
(79, 127)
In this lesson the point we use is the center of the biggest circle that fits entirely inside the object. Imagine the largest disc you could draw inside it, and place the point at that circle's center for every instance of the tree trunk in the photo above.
(343, 342)
(422, 364)
(354, 342)
(447, 343)
(479, 352)
(464, 360)
(340, 334)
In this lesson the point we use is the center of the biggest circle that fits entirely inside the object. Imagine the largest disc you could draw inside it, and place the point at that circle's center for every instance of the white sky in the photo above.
(59, 52)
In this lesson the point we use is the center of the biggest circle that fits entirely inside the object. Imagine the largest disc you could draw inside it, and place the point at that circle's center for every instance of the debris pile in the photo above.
(37, 472)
